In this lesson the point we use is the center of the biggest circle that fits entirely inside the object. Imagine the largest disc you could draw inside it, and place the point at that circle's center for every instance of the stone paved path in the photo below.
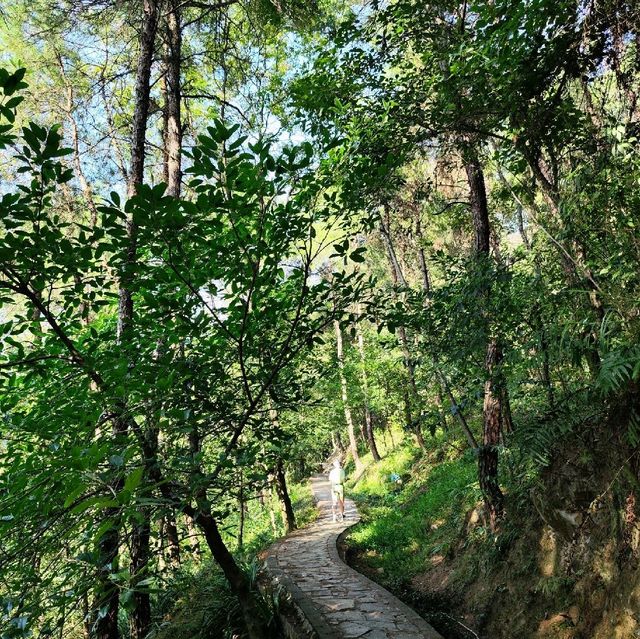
(338, 601)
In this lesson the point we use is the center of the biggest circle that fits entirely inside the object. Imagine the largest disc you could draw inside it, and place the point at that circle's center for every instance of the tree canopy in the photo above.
(239, 237)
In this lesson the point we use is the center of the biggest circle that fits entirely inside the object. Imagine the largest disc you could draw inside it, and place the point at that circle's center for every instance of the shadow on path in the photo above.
(335, 599)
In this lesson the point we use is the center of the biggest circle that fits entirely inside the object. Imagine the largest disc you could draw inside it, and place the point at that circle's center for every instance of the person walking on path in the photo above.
(336, 479)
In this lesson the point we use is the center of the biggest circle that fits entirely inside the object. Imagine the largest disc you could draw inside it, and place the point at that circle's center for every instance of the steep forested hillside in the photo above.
(241, 237)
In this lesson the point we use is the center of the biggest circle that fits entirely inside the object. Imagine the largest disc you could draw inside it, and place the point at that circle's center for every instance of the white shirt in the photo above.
(336, 476)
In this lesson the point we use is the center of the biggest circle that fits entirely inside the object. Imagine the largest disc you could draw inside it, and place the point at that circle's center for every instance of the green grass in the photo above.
(404, 528)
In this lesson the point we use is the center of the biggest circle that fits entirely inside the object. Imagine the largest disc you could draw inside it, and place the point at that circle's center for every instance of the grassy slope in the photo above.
(426, 542)
(405, 527)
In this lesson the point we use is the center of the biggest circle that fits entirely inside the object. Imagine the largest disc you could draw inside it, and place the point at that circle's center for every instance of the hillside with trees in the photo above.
(239, 238)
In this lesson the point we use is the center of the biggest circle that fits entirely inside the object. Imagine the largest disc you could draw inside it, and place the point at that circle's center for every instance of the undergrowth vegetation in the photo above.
(196, 601)
(247, 236)
(406, 527)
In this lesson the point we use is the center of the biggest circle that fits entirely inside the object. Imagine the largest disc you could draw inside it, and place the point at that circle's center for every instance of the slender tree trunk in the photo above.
(456, 410)
(237, 579)
(440, 404)
(142, 93)
(140, 620)
(280, 480)
(172, 539)
(107, 627)
(488, 453)
(408, 362)
(369, 434)
(494, 394)
(398, 278)
(172, 133)
(288, 516)
(424, 269)
(107, 601)
(353, 444)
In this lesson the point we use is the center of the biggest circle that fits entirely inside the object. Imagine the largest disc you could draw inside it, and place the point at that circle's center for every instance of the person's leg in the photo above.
(341, 501)
(334, 502)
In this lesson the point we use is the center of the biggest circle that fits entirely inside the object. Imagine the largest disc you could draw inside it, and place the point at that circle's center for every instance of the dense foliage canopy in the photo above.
(238, 237)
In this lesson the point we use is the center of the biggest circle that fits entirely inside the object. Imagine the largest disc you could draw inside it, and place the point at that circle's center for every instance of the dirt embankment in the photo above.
(566, 564)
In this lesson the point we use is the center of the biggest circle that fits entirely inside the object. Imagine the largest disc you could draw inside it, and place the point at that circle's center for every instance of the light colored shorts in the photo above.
(337, 493)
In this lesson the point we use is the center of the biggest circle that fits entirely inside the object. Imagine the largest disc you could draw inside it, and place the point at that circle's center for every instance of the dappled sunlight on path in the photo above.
(336, 600)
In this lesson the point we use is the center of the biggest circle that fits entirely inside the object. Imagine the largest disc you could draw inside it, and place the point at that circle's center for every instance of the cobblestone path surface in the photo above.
(336, 600)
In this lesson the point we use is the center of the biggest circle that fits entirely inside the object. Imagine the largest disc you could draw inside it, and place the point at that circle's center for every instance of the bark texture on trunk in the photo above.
(488, 454)
(478, 201)
(353, 444)
(107, 598)
(140, 620)
(136, 171)
(172, 539)
(237, 579)
(424, 269)
(495, 393)
(368, 420)
(288, 516)
(108, 627)
(172, 119)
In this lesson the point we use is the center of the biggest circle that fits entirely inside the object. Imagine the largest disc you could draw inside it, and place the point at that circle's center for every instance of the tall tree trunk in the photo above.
(107, 599)
(288, 516)
(424, 269)
(353, 444)
(494, 394)
(140, 620)
(172, 539)
(370, 435)
(398, 278)
(280, 480)
(107, 627)
(172, 133)
(488, 453)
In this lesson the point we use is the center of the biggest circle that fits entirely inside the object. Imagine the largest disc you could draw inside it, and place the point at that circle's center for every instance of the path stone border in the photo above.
(332, 600)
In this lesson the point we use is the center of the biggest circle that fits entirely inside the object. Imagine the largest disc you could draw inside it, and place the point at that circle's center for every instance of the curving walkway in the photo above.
(335, 599)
